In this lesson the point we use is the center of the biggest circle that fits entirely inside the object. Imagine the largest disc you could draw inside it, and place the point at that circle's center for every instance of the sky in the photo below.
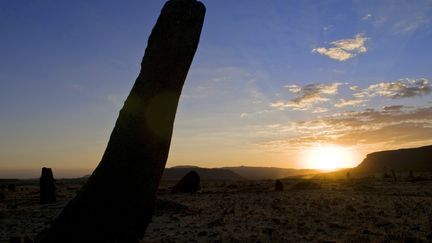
(270, 82)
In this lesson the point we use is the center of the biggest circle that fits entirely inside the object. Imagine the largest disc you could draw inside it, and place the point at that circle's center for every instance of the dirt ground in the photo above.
(360, 210)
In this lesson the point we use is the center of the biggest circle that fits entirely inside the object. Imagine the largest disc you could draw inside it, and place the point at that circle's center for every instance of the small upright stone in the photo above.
(411, 174)
(190, 183)
(47, 186)
(279, 186)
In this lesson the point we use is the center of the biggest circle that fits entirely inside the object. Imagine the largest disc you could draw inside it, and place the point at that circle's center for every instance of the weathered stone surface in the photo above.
(116, 203)
(27, 240)
(279, 186)
(190, 183)
(47, 186)
(15, 239)
(11, 187)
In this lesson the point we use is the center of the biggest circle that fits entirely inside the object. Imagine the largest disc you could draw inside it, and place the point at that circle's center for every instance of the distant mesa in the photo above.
(390, 163)
(190, 183)
(412, 159)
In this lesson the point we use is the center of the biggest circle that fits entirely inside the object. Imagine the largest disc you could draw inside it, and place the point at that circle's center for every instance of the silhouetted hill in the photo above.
(415, 159)
(185, 167)
(401, 160)
(258, 173)
(176, 173)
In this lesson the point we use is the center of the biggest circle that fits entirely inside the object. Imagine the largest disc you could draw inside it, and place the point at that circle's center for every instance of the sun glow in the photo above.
(328, 158)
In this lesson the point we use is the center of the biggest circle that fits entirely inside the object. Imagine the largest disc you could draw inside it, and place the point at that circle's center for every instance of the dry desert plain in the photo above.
(319, 210)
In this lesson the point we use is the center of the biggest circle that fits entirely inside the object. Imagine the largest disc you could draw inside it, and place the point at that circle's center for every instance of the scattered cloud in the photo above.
(327, 27)
(367, 16)
(319, 110)
(243, 115)
(355, 88)
(307, 96)
(403, 18)
(393, 108)
(404, 88)
(344, 49)
(391, 126)
(349, 102)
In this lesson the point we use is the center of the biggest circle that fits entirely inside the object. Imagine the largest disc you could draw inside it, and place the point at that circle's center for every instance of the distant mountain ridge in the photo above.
(176, 173)
(260, 173)
(234, 173)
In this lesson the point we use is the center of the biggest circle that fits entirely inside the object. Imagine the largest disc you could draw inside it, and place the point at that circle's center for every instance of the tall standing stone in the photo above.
(47, 186)
(116, 203)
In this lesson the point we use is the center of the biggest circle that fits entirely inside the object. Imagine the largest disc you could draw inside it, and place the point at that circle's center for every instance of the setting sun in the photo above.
(328, 158)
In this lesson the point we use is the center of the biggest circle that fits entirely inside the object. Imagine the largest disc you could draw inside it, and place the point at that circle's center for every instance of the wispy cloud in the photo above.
(403, 18)
(403, 88)
(349, 102)
(344, 49)
(367, 16)
(307, 96)
(407, 25)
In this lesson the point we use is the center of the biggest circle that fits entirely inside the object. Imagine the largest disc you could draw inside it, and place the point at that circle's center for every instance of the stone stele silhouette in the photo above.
(47, 186)
(116, 203)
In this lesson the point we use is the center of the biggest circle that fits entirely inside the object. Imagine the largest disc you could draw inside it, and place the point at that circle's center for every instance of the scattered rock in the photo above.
(167, 206)
(188, 184)
(350, 208)
(216, 222)
(363, 188)
(306, 185)
(202, 233)
(279, 186)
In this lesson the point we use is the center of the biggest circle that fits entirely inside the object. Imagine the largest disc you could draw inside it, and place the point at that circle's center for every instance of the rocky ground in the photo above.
(361, 210)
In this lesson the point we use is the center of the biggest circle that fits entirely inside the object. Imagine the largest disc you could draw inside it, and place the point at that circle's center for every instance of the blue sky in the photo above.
(270, 80)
